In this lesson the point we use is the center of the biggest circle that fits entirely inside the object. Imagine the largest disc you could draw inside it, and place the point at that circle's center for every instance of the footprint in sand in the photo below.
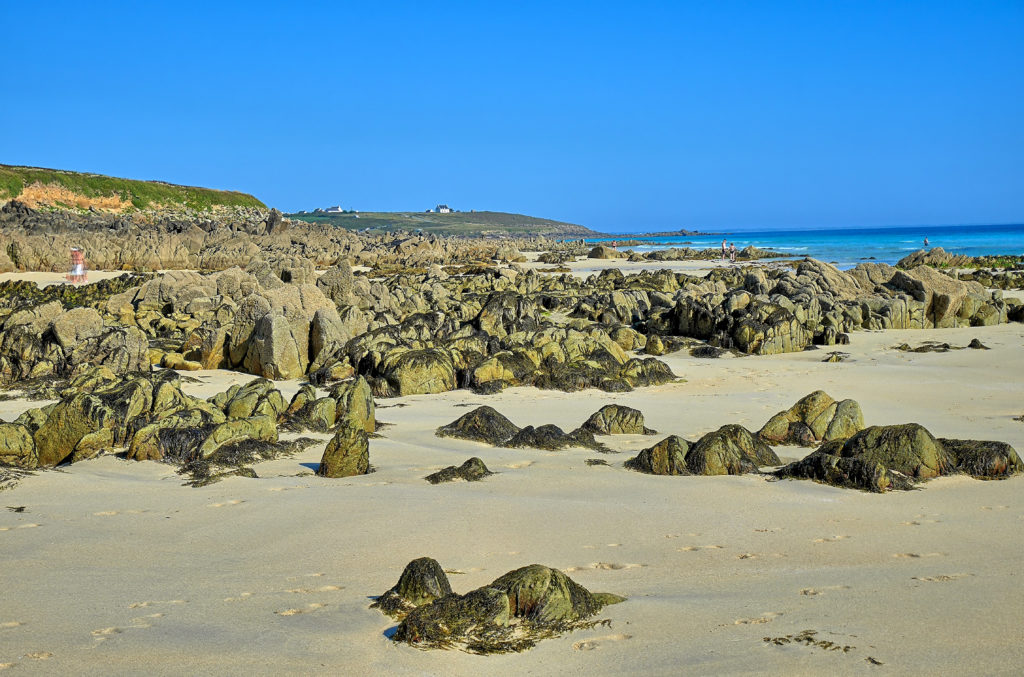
(693, 548)
(763, 618)
(20, 526)
(4, 666)
(995, 507)
(830, 539)
(235, 501)
(295, 612)
(140, 605)
(813, 592)
(242, 596)
(313, 575)
(322, 588)
(598, 642)
(39, 655)
(940, 578)
(917, 555)
(103, 633)
(110, 513)
(604, 566)
(10, 624)
(518, 465)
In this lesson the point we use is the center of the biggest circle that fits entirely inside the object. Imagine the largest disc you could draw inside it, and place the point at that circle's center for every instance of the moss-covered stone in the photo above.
(483, 424)
(511, 614)
(552, 438)
(347, 454)
(983, 459)
(422, 581)
(853, 473)
(730, 450)
(667, 457)
(471, 471)
(908, 448)
(17, 448)
(614, 419)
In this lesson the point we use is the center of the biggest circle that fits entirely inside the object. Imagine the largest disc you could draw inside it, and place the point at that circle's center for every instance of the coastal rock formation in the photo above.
(510, 614)
(472, 470)
(422, 581)
(483, 424)
(552, 438)
(613, 419)
(814, 418)
(896, 457)
(667, 457)
(347, 454)
(730, 450)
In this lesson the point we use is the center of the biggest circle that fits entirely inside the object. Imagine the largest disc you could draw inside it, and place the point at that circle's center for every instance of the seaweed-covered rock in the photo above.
(824, 417)
(667, 457)
(552, 438)
(614, 419)
(67, 424)
(347, 454)
(472, 470)
(983, 459)
(483, 424)
(258, 397)
(730, 450)
(853, 473)
(418, 372)
(907, 448)
(355, 404)
(510, 614)
(17, 448)
(422, 581)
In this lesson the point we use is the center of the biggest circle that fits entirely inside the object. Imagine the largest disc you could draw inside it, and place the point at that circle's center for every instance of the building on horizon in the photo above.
(443, 209)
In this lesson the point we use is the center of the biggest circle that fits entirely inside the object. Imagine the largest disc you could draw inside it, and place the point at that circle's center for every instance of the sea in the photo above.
(846, 247)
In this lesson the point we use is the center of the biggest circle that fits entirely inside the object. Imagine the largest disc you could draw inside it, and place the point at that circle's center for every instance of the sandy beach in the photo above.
(113, 567)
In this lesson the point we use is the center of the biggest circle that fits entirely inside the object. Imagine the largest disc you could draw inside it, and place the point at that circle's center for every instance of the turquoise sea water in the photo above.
(848, 247)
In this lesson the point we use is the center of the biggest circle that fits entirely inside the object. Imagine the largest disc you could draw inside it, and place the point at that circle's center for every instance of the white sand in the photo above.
(115, 568)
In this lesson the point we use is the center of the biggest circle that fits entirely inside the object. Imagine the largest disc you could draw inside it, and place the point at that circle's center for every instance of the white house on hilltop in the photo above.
(334, 210)
(443, 209)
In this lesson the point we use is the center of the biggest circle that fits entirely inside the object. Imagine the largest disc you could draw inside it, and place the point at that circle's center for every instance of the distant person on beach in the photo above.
(77, 266)
(925, 241)
(732, 252)
(724, 249)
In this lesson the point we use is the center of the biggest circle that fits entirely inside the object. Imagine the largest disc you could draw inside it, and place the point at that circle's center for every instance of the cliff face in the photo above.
(58, 189)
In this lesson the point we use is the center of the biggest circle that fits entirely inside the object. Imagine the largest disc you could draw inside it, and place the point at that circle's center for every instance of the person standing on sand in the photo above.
(732, 252)
(77, 266)
(724, 249)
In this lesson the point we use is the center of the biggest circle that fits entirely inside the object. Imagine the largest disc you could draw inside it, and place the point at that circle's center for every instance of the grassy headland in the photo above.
(455, 223)
(60, 189)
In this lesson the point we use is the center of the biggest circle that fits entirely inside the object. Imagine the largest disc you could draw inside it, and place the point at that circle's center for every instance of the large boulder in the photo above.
(69, 422)
(274, 350)
(730, 450)
(418, 372)
(854, 473)
(614, 419)
(667, 457)
(17, 447)
(355, 404)
(347, 454)
(483, 424)
(817, 413)
(76, 325)
(983, 459)
(422, 581)
(908, 449)
(510, 614)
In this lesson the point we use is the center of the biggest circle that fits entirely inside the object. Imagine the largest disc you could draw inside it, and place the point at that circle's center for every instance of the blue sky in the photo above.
(619, 116)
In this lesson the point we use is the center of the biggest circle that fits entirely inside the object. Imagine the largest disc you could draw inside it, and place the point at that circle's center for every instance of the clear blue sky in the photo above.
(619, 116)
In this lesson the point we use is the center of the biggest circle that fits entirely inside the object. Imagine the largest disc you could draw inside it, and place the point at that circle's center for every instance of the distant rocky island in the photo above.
(671, 233)
(444, 221)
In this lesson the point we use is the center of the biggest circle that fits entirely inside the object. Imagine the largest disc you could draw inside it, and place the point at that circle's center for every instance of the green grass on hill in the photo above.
(142, 194)
(455, 223)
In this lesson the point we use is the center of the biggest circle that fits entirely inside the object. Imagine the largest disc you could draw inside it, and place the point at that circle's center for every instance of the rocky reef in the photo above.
(512, 613)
